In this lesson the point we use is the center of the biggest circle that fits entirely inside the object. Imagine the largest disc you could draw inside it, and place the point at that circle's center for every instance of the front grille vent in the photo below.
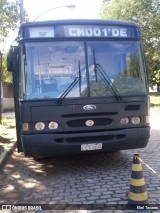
(89, 114)
(91, 139)
(97, 122)
(132, 107)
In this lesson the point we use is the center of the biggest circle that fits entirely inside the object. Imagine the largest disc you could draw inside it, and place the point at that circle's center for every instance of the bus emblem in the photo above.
(89, 123)
(89, 107)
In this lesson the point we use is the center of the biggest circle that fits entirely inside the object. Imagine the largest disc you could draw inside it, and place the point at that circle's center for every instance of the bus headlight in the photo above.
(135, 120)
(39, 126)
(124, 120)
(53, 125)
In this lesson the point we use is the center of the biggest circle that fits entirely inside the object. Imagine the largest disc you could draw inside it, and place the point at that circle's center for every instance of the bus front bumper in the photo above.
(47, 145)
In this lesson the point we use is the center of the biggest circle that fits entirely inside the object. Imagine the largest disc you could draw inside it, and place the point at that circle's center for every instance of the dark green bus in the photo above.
(80, 86)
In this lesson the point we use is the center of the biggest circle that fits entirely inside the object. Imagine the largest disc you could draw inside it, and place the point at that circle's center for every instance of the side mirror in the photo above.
(12, 59)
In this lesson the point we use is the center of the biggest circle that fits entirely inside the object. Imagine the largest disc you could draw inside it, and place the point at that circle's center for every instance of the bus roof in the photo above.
(79, 22)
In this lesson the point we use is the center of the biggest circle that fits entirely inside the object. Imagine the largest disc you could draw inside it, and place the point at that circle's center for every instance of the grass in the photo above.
(8, 122)
(155, 100)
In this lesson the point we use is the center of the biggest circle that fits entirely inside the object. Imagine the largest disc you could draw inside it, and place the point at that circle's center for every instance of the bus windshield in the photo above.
(49, 68)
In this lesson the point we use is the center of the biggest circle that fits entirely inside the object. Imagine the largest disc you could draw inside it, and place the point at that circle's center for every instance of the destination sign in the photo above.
(41, 32)
(95, 31)
(82, 31)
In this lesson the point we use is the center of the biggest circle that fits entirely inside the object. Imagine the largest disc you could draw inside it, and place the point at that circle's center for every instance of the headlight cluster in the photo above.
(41, 125)
(133, 120)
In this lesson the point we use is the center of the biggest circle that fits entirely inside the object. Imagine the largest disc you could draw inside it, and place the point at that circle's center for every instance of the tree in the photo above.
(146, 13)
(9, 20)
(9, 17)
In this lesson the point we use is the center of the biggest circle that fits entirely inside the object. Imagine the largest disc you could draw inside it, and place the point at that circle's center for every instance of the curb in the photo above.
(5, 154)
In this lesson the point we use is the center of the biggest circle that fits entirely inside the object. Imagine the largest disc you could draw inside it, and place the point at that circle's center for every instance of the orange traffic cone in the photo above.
(137, 193)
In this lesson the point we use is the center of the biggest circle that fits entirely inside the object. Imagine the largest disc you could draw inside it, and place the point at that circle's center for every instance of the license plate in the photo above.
(92, 146)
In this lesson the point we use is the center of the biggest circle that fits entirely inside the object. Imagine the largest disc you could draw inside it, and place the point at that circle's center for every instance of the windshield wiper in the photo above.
(95, 68)
(69, 88)
(104, 76)
(79, 72)
(109, 82)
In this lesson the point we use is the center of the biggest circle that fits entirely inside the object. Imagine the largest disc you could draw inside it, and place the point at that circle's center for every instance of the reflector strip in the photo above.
(138, 197)
(137, 182)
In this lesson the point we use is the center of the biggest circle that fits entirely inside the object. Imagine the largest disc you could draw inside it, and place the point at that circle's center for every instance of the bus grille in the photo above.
(91, 139)
(89, 114)
(97, 122)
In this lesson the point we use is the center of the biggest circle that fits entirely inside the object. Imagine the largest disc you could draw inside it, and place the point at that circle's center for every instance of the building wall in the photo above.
(7, 97)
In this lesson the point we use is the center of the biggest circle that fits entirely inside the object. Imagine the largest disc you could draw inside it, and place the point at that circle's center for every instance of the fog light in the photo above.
(135, 120)
(39, 126)
(53, 125)
(124, 120)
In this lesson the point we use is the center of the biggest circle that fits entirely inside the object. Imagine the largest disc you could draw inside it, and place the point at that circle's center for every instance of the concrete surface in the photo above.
(9, 148)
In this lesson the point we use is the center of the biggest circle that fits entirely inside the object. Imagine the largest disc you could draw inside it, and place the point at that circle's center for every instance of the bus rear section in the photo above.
(82, 87)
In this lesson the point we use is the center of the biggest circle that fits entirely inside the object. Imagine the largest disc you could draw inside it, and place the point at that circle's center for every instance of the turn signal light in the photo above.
(25, 126)
(147, 118)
